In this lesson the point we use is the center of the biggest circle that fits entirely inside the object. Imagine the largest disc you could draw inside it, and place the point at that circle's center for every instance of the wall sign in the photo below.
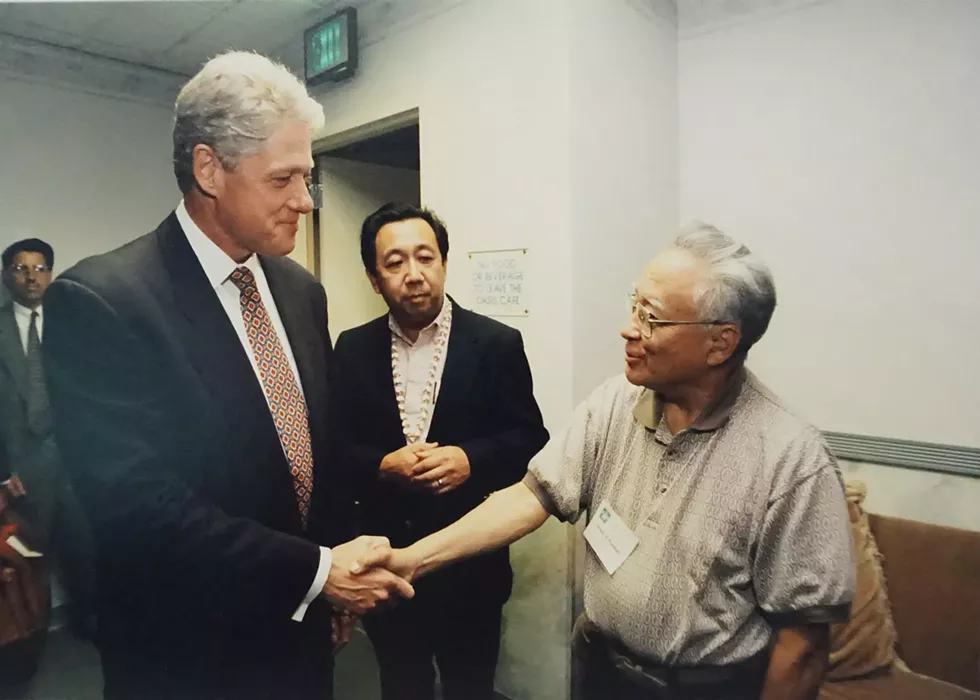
(498, 280)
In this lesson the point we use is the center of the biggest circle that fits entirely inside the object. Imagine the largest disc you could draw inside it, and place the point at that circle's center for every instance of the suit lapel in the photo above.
(11, 349)
(457, 375)
(378, 362)
(209, 338)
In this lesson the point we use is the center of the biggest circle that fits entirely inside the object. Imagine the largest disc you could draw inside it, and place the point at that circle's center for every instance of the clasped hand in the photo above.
(427, 466)
(360, 580)
(361, 588)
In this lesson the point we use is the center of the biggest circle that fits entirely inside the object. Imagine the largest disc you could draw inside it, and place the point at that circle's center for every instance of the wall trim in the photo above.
(908, 454)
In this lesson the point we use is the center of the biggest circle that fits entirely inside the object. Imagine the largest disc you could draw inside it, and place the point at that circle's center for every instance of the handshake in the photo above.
(366, 573)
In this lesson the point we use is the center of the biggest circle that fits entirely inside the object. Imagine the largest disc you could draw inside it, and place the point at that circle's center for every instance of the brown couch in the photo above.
(932, 578)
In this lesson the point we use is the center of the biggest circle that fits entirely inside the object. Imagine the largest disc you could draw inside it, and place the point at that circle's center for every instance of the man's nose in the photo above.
(303, 202)
(629, 332)
(414, 271)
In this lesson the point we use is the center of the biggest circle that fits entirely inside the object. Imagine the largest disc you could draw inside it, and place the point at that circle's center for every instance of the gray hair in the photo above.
(738, 287)
(233, 105)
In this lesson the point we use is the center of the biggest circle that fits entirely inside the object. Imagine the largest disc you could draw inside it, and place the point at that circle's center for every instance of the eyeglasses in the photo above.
(645, 322)
(21, 268)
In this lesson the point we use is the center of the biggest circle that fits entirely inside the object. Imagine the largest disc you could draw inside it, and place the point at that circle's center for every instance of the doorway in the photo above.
(359, 171)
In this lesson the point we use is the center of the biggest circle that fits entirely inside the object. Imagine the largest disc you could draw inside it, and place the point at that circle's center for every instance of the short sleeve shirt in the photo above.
(741, 520)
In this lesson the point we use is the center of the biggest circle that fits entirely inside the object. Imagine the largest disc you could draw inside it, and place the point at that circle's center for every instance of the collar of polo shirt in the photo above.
(649, 409)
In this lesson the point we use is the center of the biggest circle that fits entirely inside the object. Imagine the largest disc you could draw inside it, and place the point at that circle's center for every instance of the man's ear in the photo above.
(723, 344)
(208, 171)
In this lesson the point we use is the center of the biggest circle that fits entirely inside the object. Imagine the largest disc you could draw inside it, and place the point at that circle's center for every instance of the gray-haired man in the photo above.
(188, 373)
(719, 539)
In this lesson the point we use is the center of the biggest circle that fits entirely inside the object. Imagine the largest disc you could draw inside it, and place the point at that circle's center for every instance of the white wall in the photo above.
(930, 497)
(83, 172)
(840, 140)
(624, 176)
(351, 191)
(490, 80)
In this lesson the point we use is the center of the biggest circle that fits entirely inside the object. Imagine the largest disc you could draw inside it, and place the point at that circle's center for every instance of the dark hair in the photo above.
(28, 245)
(389, 214)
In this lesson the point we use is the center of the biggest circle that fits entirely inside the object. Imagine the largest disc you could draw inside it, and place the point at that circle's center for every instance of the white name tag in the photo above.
(610, 538)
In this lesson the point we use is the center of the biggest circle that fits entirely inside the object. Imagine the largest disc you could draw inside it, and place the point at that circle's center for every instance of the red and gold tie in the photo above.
(281, 388)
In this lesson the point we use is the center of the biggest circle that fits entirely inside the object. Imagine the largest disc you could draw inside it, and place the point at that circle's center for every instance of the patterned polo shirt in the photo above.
(741, 520)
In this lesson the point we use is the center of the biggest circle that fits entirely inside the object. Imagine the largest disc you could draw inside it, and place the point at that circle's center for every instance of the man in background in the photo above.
(188, 373)
(47, 499)
(436, 411)
(719, 541)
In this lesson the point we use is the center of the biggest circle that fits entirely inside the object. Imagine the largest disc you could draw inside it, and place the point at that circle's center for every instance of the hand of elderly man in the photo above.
(361, 588)
(404, 563)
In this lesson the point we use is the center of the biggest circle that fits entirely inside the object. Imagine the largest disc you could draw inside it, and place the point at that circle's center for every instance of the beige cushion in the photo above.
(865, 643)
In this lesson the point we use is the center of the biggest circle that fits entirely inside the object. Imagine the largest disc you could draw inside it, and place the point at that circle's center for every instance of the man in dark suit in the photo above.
(188, 375)
(435, 412)
(48, 501)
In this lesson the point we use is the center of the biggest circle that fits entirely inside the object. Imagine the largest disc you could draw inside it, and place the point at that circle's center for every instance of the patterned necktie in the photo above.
(38, 408)
(281, 388)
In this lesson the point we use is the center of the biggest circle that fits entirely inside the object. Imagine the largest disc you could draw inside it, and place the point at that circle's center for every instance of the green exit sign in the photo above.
(330, 48)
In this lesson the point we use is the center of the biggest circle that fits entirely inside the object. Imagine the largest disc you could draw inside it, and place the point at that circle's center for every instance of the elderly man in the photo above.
(719, 547)
(188, 373)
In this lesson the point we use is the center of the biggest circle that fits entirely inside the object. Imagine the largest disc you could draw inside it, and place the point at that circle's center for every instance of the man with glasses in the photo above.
(36, 476)
(193, 363)
(719, 543)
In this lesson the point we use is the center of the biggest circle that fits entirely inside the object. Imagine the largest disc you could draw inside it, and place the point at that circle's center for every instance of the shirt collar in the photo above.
(649, 409)
(215, 262)
(436, 323)
(25, 313)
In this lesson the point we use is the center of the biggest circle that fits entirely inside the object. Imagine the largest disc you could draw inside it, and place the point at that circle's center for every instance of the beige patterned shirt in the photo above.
(741, 520)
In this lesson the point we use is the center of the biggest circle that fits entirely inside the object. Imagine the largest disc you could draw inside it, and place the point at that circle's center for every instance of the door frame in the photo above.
(331, 142)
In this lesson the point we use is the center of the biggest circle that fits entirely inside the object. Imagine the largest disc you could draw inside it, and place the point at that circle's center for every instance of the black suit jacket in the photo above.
(167, 433)
(485, 406)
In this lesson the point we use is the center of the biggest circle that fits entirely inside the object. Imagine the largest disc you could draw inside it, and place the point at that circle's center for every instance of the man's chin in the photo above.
(635, 376)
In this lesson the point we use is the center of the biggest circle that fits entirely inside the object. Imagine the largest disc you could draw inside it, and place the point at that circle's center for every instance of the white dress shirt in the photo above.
(218, 268)
(415, 359)
(22, 315)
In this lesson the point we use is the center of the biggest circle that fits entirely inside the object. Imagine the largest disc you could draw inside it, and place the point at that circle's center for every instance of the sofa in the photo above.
(914, 632)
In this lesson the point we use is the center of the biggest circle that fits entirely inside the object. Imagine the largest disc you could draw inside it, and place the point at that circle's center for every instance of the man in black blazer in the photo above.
(188, 376)
(435, 411)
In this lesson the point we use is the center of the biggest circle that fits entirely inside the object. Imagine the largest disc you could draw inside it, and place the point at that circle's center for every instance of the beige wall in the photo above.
(351, 191)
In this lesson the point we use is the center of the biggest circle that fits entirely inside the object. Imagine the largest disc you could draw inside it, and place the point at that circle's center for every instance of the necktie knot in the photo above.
(243, 278)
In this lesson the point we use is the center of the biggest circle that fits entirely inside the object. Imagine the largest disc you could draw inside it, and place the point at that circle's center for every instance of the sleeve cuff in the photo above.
(816, 615)
(319, 581)
(544, 498)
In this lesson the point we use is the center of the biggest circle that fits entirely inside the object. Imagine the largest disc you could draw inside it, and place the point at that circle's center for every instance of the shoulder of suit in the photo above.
(365, 330)
(119, 270)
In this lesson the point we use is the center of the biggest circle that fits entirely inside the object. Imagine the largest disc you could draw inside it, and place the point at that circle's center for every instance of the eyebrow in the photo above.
(656, 304)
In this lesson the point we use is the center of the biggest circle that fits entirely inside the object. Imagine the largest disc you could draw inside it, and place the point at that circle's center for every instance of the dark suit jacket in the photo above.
(166, 430)
(485, 406)
(32, 456)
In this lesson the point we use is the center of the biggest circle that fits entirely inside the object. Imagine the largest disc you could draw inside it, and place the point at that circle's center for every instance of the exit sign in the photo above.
(330, 48)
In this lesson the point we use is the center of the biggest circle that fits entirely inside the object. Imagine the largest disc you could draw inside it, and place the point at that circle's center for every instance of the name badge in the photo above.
(610, 538)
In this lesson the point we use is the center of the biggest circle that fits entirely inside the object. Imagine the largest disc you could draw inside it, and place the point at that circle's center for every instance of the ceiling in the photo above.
(172, 36)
